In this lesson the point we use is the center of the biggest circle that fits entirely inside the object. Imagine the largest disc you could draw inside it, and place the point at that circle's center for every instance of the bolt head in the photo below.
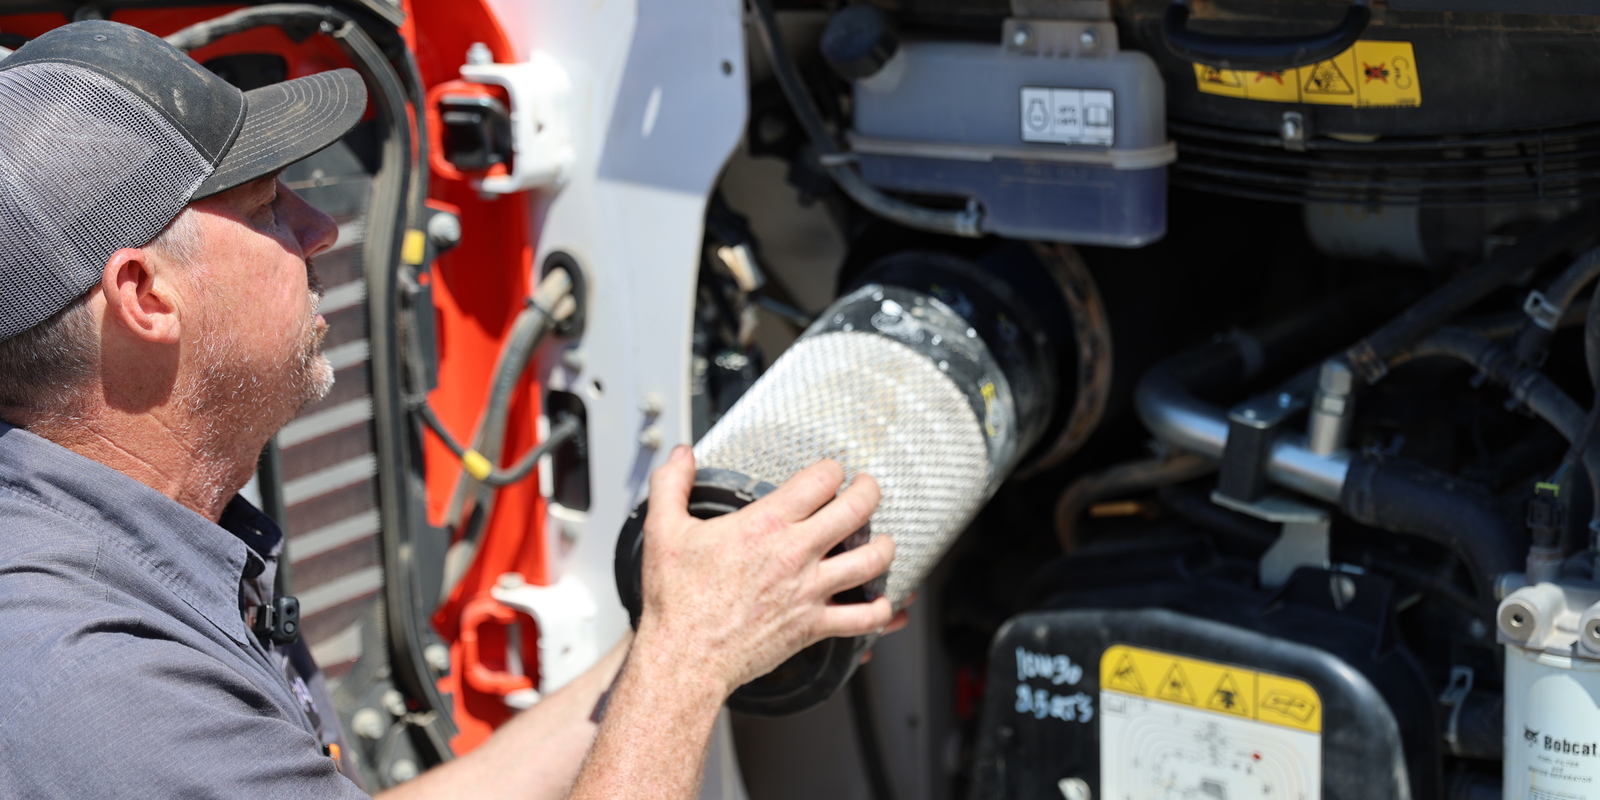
(394, 702)
(1285, 400)
(1019, 37)
(444, 230)
(651, 437)
(403, 770)
(653, 404)
(438, 657)
(368, 723)
(1090, 38)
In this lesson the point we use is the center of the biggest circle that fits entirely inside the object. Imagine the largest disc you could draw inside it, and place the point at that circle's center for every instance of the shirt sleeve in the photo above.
(153, 719)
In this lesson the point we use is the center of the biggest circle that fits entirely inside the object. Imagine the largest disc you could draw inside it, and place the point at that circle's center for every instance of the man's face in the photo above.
(258, 343)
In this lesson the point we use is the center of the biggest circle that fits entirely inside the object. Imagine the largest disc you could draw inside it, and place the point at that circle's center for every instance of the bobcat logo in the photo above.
(1530, 735)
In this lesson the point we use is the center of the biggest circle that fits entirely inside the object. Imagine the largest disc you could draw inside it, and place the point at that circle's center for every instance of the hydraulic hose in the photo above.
(1123, 479)
(482, 470)
(1545, 309)
(551, 303)
(1370, 358)
(1406, 497)
(1530, 387)
(836, 160)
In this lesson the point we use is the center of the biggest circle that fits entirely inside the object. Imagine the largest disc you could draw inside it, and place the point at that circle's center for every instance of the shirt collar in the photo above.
(198, 560)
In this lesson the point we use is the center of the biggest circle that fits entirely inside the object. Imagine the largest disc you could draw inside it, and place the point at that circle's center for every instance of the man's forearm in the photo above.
(535, 756)
(657, 727)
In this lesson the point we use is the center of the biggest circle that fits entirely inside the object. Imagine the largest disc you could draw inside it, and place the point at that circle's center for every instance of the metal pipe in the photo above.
(1182, 420)
(1332, 409)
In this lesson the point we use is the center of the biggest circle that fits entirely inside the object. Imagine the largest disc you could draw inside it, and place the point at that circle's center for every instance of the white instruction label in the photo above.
(1068, 116)
(1178, 727)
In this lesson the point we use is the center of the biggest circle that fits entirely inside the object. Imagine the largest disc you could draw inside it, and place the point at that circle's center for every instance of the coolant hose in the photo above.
(1545, 309)
(1406, 497)
(1529, 386)
(1371, 357)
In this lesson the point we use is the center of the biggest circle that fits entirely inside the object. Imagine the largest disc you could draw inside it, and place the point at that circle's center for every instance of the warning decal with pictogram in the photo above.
(1325, 78)
(1228, 697)
(1210, 686)
(1371, 74)
(1175, 686)
(1125, 676)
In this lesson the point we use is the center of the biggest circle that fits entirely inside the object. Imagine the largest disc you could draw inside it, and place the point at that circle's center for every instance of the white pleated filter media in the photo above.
(877, 407)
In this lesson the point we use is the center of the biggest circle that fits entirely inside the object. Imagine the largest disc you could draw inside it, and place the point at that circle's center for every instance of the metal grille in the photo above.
(328, 462)
(878, 407)
(86, 168)
(1478, 169)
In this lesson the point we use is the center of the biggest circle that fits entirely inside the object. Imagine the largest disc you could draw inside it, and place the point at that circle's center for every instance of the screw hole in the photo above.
(727, 67)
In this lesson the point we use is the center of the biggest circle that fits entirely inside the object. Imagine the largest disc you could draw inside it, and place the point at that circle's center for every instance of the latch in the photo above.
(540, 121)
(565, 613)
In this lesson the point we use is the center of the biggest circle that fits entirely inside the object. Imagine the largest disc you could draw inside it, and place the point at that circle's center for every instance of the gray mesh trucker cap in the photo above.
(107, 132)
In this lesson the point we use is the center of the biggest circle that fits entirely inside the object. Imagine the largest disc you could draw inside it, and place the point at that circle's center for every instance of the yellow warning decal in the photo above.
(1368, 75)
(1211, 686)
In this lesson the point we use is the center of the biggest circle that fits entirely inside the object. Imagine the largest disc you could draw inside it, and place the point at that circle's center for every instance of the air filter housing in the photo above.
(919, 392)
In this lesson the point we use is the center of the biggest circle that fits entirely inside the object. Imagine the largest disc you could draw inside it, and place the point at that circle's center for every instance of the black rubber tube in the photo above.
(1410, 498)
(1530, 387)
(1371, 356)
(1558, 296)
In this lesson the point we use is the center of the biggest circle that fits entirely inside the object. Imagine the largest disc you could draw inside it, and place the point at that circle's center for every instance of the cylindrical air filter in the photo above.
(893, 382)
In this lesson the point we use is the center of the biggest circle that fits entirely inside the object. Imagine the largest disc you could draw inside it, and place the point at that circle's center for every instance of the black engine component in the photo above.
(1175, 674)
(1494, 108)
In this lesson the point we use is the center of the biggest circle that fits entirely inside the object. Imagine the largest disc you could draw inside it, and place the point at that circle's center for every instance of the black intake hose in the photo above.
(1371, 356)
(1530, 387)
(1545, 309)
(1406, 497)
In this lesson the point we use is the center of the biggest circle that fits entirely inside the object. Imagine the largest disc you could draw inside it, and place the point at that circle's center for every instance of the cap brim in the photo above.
(285, 122)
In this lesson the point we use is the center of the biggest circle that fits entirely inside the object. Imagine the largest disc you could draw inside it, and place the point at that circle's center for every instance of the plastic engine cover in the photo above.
(1135, 704)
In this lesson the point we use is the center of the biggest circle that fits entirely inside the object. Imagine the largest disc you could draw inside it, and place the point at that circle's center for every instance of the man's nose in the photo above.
(315, 230)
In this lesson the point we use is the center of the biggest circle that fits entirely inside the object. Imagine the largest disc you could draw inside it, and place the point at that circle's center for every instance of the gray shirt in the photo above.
(126, 665)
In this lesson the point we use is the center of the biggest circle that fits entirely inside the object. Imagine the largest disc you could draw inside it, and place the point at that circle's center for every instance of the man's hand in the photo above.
(738, 594)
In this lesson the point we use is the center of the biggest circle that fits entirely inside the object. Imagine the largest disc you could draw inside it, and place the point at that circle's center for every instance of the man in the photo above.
(157, 324)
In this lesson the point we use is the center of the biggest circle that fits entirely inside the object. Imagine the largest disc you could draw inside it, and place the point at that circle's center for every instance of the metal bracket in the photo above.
(1303, 541)
(1453, 698)
(1252, 427)
(1544, 313)
(1060, 38)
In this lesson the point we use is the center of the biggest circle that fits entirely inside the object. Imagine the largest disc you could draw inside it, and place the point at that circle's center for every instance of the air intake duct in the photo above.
(932, 377)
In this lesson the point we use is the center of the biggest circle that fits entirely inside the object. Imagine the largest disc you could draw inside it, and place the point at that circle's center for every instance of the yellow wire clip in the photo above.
(476, 465)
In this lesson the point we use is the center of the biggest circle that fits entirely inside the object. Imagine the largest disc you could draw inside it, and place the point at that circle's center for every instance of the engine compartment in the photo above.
(1319, 439)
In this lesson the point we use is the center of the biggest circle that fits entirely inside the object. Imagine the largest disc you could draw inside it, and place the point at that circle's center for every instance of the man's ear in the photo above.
(140, 296)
